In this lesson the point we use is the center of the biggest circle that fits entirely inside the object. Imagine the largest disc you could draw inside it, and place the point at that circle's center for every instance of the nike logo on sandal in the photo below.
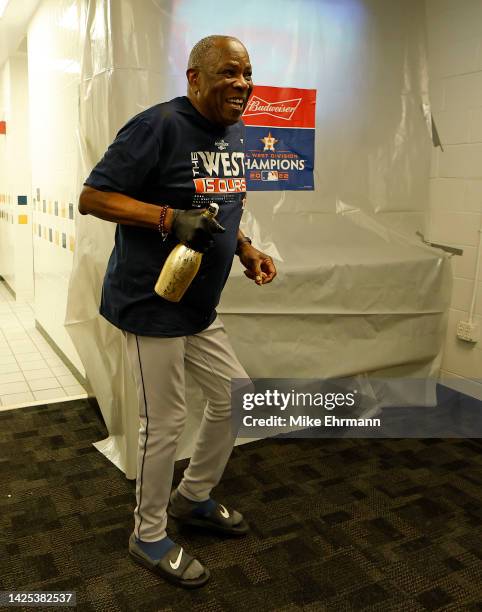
(223, 511)
(177, 562)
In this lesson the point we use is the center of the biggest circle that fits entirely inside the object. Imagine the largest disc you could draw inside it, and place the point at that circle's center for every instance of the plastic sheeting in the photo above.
(353, 296)
(356, 291)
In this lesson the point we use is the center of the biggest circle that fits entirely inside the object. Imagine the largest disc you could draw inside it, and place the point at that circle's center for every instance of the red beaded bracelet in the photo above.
(162, 218)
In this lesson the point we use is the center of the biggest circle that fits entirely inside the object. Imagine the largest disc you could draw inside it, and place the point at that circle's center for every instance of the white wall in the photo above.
(455, 69)
(39, 97)
(15, 204)
(7, 259)
(53, 55)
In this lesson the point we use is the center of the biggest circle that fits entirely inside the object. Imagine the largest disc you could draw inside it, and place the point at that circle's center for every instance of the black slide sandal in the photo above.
(219, 520)
(171, 567)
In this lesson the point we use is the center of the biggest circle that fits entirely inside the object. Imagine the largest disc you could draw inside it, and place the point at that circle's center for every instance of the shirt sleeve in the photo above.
(128, 160)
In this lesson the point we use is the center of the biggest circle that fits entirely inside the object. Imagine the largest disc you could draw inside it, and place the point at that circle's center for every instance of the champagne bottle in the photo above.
(180, 267)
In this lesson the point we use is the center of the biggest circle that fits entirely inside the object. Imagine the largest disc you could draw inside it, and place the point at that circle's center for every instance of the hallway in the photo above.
(30, 371)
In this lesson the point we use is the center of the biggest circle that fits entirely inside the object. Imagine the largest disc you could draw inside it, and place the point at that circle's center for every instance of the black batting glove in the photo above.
(194, 229)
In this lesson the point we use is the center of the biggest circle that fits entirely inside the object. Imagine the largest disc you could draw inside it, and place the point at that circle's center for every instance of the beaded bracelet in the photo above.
(162, 218)
(241, 241)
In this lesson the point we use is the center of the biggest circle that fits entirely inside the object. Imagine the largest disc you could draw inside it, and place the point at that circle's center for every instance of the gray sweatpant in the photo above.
(159, 365)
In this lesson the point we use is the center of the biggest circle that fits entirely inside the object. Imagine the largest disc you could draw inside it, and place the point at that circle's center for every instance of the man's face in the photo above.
(223, 84)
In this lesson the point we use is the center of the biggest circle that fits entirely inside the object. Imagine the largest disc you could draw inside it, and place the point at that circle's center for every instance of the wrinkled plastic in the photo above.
(351, 296)
(356, 291)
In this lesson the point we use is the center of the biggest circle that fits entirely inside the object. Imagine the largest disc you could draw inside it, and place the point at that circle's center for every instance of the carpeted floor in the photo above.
(336, 524)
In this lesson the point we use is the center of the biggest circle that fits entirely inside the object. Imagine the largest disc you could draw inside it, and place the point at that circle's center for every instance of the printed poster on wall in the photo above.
(280, 139)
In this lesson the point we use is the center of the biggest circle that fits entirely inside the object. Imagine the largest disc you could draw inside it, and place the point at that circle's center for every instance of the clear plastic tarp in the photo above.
(357, 292)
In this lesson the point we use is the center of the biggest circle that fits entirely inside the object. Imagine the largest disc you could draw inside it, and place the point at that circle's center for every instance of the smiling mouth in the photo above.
(237, 103)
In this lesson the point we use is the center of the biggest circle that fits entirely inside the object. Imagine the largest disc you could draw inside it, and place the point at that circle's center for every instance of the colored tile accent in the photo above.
(40, 231)
(50, 234)
(38, 194)
(71, 211)
(22, 200)
(64, 240)
(57, 237)
(22, 219)
(56, 209)
(44, 206)
(63, 210)
(71, 243)
(3, 127)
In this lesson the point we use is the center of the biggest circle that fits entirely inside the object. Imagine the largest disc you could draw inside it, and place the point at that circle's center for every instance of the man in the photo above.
(164, 167)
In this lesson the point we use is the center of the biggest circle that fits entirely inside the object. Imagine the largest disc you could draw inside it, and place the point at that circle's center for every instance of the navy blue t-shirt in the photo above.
(170, 154)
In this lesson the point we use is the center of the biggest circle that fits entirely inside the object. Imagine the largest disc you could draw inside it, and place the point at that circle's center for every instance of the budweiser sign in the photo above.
(281, 109)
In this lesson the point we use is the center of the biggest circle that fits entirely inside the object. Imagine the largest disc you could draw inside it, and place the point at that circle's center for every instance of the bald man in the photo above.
(155, 180)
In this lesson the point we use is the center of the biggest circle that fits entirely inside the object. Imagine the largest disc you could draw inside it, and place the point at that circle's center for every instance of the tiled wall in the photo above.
(53, 221)
(455, 69)
(7, 260)
(15, 207)
(7, 231)
(39, 93)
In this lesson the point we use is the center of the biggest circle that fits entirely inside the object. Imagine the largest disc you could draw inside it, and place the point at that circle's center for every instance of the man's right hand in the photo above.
(194, 229)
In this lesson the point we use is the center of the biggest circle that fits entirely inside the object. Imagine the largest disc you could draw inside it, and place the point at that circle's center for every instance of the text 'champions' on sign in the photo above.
(280, 139)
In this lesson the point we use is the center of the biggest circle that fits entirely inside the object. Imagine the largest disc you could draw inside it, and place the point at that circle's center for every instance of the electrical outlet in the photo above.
(469, 332)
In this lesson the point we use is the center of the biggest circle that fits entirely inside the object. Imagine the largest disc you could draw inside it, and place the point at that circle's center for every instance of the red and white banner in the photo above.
(281, 107)
(280, 138)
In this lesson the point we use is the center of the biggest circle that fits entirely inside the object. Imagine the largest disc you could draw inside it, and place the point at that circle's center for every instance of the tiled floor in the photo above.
(30, 371)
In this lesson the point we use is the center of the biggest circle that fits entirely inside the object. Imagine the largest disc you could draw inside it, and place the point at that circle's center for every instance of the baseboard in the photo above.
(465, 386)
(63, 357)
(8, 288)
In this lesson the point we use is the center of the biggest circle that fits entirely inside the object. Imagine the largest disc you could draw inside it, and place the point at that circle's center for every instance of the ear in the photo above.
(192, 75)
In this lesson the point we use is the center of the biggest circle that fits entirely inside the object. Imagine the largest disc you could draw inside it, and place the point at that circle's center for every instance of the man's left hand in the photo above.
(259, 266)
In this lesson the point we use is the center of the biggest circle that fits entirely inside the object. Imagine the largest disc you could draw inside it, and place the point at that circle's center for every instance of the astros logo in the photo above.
(269, 142)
